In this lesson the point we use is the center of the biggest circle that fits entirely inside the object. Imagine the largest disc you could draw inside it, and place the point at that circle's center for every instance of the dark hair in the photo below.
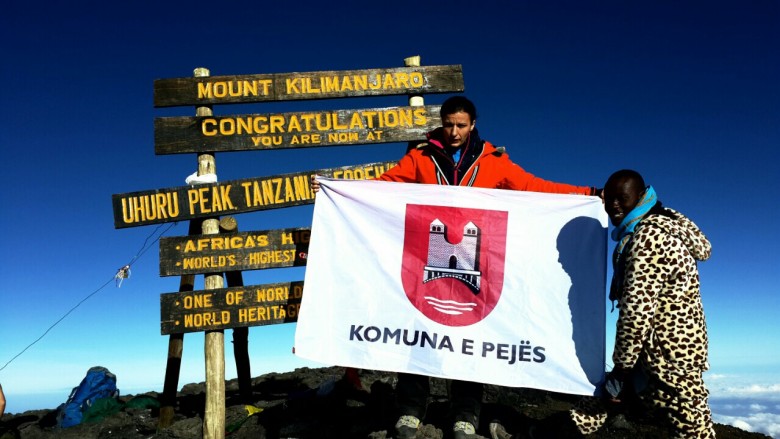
(630, 175)
(456, 104)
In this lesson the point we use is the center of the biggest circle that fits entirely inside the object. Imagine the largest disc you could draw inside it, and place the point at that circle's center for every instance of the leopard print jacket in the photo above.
(661, 322)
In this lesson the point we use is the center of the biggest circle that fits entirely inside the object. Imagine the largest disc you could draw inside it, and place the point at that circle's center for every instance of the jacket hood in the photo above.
(434, 137)
(679, 226)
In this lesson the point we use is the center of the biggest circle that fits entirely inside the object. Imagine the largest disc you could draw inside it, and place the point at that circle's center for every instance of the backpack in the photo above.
(98, 383)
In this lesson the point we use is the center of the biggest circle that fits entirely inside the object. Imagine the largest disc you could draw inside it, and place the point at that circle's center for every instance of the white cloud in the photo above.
(748, 401)
(716, 376)
(754, 390)
(735, 386)
(766, 423)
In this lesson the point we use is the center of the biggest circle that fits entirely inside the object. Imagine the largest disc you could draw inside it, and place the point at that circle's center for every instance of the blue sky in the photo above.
(685, 92)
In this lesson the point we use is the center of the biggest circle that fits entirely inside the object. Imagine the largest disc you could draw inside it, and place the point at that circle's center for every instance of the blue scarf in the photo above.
(627, 226)
(622, 234)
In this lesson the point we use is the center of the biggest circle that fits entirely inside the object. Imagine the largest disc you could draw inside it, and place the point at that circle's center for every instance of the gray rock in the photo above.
(297, 405)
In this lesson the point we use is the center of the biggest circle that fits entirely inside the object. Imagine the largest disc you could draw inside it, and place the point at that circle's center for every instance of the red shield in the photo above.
(453, 262)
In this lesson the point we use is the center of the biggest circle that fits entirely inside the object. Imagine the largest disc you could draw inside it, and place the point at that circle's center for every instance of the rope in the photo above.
(122, 274)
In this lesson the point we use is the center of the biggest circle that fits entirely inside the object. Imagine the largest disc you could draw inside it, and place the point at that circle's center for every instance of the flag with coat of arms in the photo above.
(488, 285)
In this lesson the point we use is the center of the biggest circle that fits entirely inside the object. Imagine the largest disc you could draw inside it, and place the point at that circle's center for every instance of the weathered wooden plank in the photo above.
(253, 250)
(229, 197)
(176, 135)
(253, 305)
(307, 85)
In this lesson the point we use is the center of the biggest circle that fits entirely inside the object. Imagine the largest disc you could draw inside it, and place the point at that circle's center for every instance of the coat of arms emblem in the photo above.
(453, 262)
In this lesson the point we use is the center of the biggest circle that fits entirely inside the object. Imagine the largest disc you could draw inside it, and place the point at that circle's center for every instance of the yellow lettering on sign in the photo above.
(370, 116)
(272, 294)
(356, 122)
(208, 127)
(242, 88)
(210, 199)
(302, 187)
(206, 319)
(292, 310)
(271, 257)
(204, 262)
(311, 88)
(366, 173)
(292, 86)
(336, 84)
(267, 141)
(303, 236)
(305, 139)
(151, 207)
(260, 314)
(329, 83)
(293, 124)
(336, 124)
(234, 297)
(276, 191)
(225, 243)
(342, 137)
(268, 191)
(197, 301)
(253, 125)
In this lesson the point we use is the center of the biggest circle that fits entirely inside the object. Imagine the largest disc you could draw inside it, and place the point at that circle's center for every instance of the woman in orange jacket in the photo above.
(455, 155)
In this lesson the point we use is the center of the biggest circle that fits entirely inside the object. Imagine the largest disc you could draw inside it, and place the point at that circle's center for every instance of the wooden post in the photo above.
(214, 349)
(414, 100)
(175, 349)
(229, 224)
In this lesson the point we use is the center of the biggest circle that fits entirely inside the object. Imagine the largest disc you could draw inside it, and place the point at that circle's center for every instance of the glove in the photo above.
(613, 385)
(615, 382)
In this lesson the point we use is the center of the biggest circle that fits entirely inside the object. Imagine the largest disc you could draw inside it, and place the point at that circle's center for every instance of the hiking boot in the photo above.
(406, 427)
(465, 430)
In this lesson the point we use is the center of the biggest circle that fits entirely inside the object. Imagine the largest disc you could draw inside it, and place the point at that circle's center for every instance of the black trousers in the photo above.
(412, 392)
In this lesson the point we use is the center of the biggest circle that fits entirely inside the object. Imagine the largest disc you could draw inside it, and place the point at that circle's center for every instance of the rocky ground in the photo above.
(316, 403)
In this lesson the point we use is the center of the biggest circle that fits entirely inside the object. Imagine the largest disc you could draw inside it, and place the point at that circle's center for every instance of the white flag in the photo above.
(495, 286)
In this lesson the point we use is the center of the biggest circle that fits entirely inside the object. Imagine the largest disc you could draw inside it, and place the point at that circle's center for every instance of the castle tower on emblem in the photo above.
(459, 261)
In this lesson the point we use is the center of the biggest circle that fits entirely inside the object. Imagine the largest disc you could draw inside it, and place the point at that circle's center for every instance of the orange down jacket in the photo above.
(491, 169)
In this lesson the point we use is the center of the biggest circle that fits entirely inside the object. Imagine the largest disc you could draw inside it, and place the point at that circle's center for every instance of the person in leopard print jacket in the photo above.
(661, 336)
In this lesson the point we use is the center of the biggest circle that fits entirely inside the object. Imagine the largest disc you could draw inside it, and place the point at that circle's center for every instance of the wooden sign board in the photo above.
(307, 85)
(176, 135)
(229, 197)
(234, 252)
(223, 308)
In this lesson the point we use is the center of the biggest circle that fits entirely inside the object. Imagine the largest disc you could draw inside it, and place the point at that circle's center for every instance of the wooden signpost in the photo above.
(234, 252)
(229, 197)
(219, 250)
(174, 135)
(224, 308)
(410, 80)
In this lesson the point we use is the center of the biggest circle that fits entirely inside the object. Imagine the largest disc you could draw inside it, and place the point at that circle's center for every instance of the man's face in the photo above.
(457, 127)
(620, 197)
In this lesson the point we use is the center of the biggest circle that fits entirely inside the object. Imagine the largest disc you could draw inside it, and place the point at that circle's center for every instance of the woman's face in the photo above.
(457, 127)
